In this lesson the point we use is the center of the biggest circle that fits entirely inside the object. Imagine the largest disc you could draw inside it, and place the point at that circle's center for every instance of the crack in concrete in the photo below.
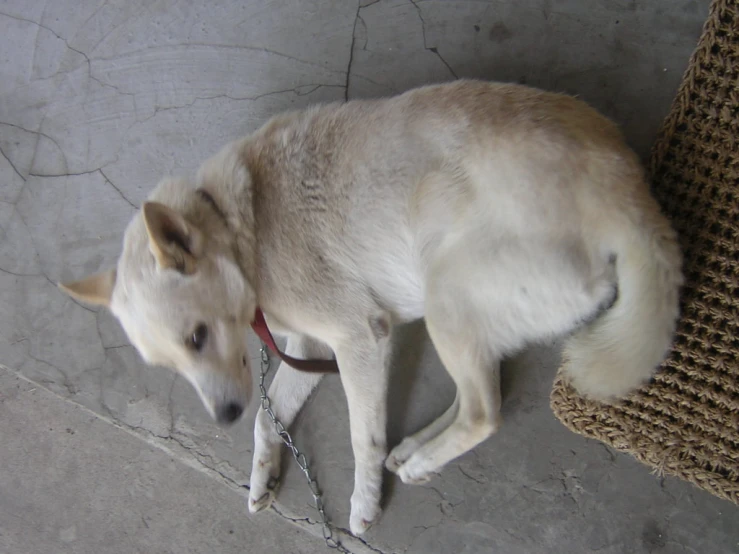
(25, 180)
(351, 53)
(307, 521)
(358, 18)
(99, 332)
(13, 273)
(207, 463)
(366, 32)
(169, 405)
(72, 48)
(119, 191)
(87, 59)
(145, 433)
(432, 49)
(315, 87)
(90, 172)
(388, 88)
(56, 286)
(76, 174)
(32, 22)
(116, 347)
(42, 273)
(202, 457)
(348, 533)
(219, 46)
(37, 134)
(211, 464)
(471, 477)
(308, 525)
(296, 90)
(66, 382)
(12, 165)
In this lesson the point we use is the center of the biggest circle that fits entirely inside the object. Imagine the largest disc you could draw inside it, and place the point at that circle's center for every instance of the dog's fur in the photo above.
(502, 214)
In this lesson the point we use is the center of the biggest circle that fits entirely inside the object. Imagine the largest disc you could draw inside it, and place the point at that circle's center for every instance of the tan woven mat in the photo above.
(686, 422)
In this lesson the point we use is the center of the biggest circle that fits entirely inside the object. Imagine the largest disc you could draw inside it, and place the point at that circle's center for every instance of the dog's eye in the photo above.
(199, 337)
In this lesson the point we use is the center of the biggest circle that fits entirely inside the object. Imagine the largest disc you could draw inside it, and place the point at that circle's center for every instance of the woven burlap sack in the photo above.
(686, 422)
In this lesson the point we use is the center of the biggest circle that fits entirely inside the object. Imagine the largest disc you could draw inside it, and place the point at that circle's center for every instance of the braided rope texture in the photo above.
(686, 421)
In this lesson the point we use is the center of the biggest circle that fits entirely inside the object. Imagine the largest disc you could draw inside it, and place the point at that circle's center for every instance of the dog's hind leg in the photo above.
(288, 392)
(477, 415)
(409, 445)
(484, 301)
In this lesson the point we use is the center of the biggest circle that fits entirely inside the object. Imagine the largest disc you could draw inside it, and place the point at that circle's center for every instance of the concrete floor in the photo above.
(98, 99)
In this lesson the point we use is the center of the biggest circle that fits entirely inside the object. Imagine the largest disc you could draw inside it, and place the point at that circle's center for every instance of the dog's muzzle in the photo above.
(229, 413)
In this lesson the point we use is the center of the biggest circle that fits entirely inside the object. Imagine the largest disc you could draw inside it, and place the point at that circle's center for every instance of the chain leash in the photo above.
(299, 457)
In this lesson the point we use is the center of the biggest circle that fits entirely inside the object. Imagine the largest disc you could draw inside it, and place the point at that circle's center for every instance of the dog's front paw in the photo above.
(262, 494)
(263, 484)
(365, 512)
(257, 502)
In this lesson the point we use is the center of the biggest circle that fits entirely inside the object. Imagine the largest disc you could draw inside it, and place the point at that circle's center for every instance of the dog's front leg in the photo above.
(363, 364)
(288, 392)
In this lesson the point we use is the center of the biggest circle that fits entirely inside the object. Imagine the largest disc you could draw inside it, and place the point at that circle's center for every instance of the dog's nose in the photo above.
(229, 413)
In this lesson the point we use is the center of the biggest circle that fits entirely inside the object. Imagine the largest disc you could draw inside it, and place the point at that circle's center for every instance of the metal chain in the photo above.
(299, 457)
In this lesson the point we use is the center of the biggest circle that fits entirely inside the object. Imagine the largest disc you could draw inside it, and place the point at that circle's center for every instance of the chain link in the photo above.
(299, 457)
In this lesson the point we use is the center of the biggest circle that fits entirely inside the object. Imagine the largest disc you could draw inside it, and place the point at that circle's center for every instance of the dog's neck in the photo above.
(225, 184)
(207, 197)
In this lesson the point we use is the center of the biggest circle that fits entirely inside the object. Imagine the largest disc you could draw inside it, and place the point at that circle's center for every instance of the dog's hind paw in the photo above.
(400, 454)
(415, 472)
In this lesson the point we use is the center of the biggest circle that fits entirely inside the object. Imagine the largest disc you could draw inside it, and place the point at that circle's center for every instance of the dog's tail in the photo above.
(621, 349)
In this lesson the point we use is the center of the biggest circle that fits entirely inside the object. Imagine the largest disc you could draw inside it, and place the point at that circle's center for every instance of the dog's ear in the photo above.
(96, 289)
(175, 243)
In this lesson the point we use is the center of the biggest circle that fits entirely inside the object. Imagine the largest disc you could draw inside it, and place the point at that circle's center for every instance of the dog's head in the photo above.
(181, 296)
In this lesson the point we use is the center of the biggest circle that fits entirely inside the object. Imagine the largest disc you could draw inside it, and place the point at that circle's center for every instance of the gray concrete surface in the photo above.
(99, 99)
(73, 482)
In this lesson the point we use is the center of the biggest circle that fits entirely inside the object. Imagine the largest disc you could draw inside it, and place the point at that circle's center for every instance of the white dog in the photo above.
(501, 214)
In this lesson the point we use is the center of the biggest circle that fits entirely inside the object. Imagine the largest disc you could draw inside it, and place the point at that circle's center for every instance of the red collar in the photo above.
(311, 366)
